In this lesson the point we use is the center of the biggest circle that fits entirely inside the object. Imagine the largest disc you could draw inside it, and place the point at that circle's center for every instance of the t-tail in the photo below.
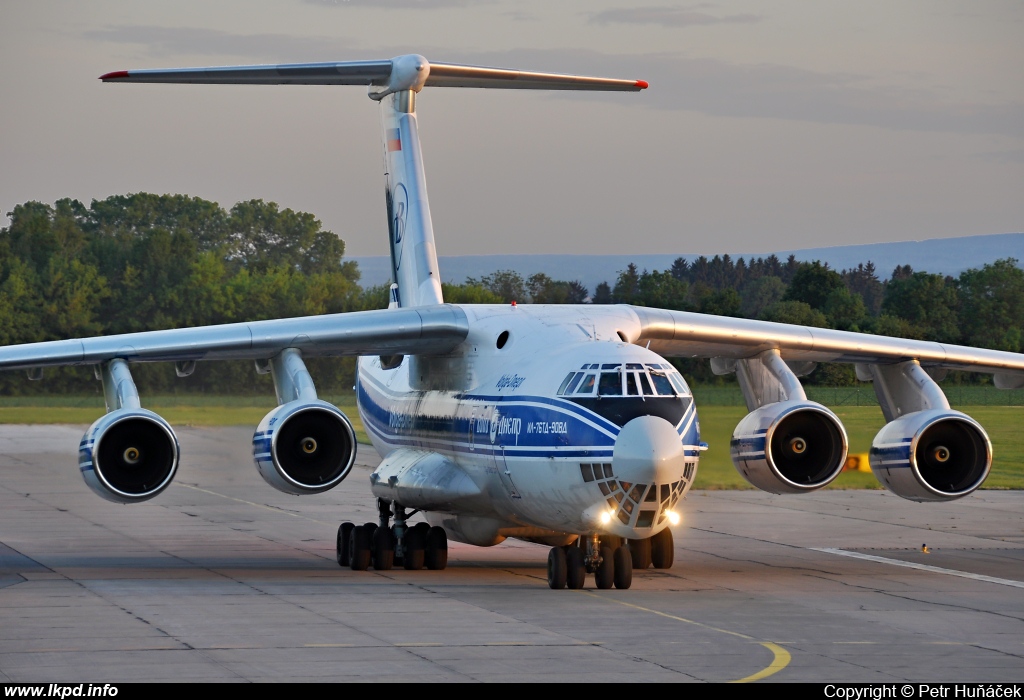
(394, 83)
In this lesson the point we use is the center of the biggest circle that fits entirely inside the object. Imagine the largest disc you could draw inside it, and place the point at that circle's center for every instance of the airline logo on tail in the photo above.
(400, 207)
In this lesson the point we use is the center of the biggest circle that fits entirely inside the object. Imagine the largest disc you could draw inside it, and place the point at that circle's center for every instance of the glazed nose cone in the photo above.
(648, 450)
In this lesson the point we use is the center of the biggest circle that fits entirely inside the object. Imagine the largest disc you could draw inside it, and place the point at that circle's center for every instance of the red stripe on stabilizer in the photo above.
(642, 84)
(116, 75)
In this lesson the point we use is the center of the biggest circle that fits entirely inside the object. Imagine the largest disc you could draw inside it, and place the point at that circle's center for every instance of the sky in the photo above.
(767, 125)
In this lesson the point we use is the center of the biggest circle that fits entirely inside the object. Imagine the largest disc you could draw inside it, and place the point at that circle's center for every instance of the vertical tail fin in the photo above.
(413, 255)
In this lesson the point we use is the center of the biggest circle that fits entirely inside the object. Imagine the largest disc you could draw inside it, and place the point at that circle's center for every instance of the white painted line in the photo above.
(920, 567)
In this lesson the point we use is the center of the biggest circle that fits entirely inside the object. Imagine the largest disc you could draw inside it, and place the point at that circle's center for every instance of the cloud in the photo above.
(669, 17)
(1014, 157)
(704, 85)
(400, 4)
(722, 88)
(161, 42)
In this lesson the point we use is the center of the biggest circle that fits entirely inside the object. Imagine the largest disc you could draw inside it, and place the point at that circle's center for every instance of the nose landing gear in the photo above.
(609, 561)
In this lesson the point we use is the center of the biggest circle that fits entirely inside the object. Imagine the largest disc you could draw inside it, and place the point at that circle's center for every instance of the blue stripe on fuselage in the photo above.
(535, 426)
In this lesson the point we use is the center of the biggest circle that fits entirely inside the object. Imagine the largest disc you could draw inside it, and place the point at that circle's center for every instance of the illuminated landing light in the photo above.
(606, 517)
(673, 517)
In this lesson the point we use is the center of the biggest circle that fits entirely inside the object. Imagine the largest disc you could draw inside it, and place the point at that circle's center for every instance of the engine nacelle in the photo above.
(789, 447)
(129, 455)
(934, 455)
(304, 447)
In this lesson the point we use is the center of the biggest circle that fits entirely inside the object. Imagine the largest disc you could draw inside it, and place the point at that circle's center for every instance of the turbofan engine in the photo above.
(128, 455)
(789, 447)
(304, 447)
(932, 455)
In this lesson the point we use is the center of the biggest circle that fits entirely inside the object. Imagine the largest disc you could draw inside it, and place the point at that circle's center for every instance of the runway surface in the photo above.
(222, 578)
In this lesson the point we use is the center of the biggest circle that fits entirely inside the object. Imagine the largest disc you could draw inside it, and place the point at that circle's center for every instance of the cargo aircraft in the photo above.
(559, 424)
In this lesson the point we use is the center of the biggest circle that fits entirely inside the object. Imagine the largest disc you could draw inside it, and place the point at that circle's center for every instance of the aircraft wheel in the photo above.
(575, 569)
(640, 551)
(436, 557)
(414, 549)
(663, 550)
(623, 574)
(383, 549)
(344, 534)
(424, 528)
(359, 549)
(604, 576)
(556, 568)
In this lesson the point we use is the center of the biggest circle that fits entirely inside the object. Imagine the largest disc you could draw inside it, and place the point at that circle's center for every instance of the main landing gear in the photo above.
(385, 546)
(610, 559)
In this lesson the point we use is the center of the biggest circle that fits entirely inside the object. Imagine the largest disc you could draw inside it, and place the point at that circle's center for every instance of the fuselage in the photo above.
(563, 426)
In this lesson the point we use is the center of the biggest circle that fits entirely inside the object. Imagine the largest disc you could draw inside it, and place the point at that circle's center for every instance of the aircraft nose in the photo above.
(648, 450)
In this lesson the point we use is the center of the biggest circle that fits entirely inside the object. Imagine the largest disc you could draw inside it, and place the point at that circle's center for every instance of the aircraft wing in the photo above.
(410, 331)
(687, 334)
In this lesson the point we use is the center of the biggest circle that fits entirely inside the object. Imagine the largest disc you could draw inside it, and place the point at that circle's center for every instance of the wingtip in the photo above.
(642, 84)
(116, 75)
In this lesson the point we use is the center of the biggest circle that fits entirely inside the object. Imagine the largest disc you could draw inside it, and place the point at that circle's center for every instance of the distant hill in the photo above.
(948, 256)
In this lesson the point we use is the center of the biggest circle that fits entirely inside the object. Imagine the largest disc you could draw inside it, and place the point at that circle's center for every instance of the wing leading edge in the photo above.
(376, 73)
(687, 334)
(415, 331)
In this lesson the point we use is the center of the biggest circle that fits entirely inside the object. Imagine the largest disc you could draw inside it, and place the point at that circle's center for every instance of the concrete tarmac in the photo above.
(221, 578)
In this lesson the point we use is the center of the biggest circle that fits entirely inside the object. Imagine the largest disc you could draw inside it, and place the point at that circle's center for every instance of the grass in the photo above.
(716, 471)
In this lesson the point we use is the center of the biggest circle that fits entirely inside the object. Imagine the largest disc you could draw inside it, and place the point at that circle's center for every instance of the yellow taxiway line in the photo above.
(781, 656)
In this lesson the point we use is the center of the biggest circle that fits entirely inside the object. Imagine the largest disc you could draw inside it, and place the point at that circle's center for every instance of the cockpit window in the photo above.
(661, 383)
(574, 382)
(677, 382)
(611, 383)
(632, 389)
(645, 382)
(587, 385)
(565, 382)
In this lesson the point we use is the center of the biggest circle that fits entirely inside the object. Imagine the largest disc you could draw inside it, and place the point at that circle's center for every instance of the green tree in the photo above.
(508, 285)
(761, 293)
(992, 312)
(813, 283)
(929, 302)
(795, 312)
(627, 287)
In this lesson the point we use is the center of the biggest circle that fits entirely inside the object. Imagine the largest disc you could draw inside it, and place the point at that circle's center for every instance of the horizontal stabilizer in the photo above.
(378, 73)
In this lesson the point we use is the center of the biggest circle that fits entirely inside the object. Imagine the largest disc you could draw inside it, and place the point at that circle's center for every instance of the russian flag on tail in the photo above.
(394, 140)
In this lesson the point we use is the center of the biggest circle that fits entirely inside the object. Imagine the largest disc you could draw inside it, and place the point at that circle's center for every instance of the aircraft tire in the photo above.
(359, 549)
(436, 551)
(414, 547)
(663, 550)
(640, 552)
(623, 573)
(344, 535)
(556, 568)
(383, 549)
(575, 569)
(604, 576)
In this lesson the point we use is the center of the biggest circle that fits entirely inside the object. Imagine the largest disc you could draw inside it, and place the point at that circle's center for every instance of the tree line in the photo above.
(148, 262)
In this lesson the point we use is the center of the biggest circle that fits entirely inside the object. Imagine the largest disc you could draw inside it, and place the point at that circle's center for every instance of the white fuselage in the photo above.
(548, 425)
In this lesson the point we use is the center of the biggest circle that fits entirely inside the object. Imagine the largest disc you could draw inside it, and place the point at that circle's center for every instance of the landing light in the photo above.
(673, 517)
(606, 517)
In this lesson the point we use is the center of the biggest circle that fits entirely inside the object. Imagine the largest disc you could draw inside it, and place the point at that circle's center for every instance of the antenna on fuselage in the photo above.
(394, 84)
